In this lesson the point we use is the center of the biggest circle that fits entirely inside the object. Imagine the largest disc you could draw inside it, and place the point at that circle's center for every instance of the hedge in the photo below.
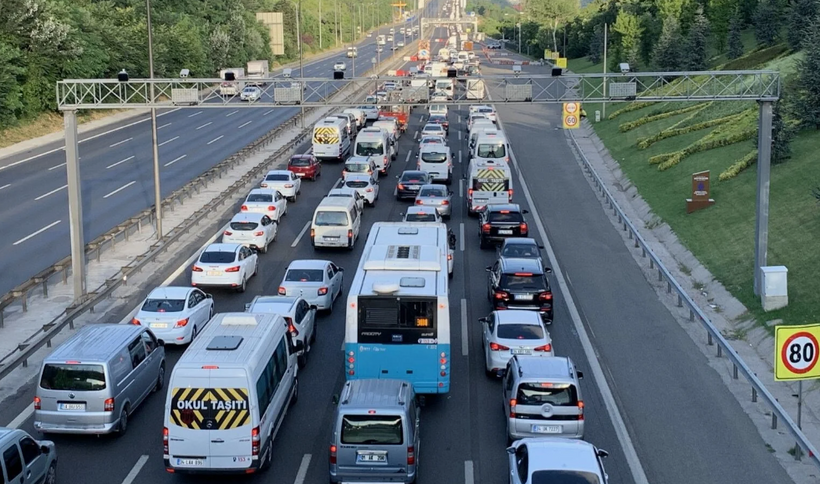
(705, 145)
(738, 166)
(756, 58)
(675, 131)
(629, 108)
(656, 117)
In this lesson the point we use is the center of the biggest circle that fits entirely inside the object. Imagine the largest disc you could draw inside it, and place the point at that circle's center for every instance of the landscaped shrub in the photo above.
(756, 58)
(656, 117)
(675, 131)
(629, 108)
(738, 166)
(705, 145)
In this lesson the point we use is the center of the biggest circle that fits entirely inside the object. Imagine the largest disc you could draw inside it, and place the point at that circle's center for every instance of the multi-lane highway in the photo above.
(116, 165)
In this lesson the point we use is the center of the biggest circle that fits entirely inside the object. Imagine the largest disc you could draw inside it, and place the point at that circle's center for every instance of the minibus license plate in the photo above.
(190, 462)
(372, 457)
(546, 429)
(71, 406)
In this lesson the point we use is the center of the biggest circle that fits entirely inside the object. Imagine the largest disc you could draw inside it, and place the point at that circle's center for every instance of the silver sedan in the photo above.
(437, 196)
(513, 332)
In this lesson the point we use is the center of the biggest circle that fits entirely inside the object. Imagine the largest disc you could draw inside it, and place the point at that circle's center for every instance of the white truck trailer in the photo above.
(258, 72)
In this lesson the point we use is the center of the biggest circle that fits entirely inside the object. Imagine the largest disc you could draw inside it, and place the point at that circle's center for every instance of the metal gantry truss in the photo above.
(501, 89)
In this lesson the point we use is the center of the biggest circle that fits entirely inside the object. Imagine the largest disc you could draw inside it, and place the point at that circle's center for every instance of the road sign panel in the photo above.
(623, 89)
(570, 121)
(797, 352)
(570, 108)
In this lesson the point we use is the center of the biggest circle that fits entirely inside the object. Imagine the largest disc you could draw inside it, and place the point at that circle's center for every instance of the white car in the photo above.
(345, 192)
(286, 182)
(320, 282)
(298, 314)
(488, 112)
(371, 113)
(431, 139)
(434, 129)
(441, 109)
(439, 96)
(379, 49)
(175, 314)
(367, 187)
(473, 118)
(250, 94)
(339, 66)
(267, 201)
(225, 265)
(400, 44)
(556, 459)
(420, 213)
(254, 230)
(513, 332)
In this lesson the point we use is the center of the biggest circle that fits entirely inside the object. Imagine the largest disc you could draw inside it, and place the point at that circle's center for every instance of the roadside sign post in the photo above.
(795, 358)
(571, 117)
(700, 192)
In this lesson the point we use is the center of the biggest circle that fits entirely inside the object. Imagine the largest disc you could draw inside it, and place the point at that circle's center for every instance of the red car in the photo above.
(305, 166)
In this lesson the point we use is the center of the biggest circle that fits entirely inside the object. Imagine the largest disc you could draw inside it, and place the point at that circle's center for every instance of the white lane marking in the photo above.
(469, 473)
(638, 474)
(84, 140)
(195, 114)
(408, 156)
(21, 419)
(56, 166)
(421, 118)
(465, 339)
(459, 119)
(416, 135)
(272, 110)
(459, 135)
(52, 192)
(303, 468)
(243, 125)
(112, 165)
(135, 470)
(120, 142)
(52, 224)
(301, 234)
(206, 124)
(174, 161)
(216, 139)
(5, 186)
(231, 113)
(120, 189)
(461, 236)
(461, 188)
(168, 141)
(163, 126)
(459, 156)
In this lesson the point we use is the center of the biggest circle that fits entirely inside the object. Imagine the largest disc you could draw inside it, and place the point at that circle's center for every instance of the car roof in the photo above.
(561, 454)
(414, 172)
(170, 292)
(519, 316)
(278, 172)
(421, 209)
(342, 190)
(278, 300)
(248, 217)
(358, 159)
(518, 264)
(302, 155)
(498, 207)
(434, 185)
(552, 367)
(358, 177)
(263, 191)
(520, 241)
(222, 247)
(308, 264)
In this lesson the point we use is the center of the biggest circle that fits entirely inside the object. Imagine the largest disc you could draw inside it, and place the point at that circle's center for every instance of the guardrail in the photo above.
(683, 299)
(20, 355)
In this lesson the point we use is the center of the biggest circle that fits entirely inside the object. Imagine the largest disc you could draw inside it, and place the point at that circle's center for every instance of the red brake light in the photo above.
(419, 202)
(546, 296)
(271, 208)
(524, 228)
(369, 190)
(181, 323)
(232, 269)
(312, 233)
(470, 192)
(136, 321)
(255, 441)
(498, 347)
(322, 291)
(165, 440)
(546, 348)
(288, 185)
(227, 232)
(523, 274)
(332, 454)
(513, 403)
(510, 192)
(401, 187)
(37, 402)
(244, 208)
(108, 405)
(500, 295)
(485, 228)
(283, 291)
(445, 202)
(504, 211)
(197, 269)
(411, 455)
(350, 234)
(292, 329)
(581, 410)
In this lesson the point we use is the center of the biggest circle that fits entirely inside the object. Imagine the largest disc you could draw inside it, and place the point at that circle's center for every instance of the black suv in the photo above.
(514, 283)
(500, 221)
(410, 183)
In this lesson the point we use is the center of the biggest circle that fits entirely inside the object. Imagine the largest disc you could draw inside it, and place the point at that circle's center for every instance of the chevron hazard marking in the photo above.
(210, 408)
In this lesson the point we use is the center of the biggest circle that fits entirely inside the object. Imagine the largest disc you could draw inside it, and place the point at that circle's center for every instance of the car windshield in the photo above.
(436, 118)
(217, 257)
(433, 127)
(520, 250)
(333, 219)
(369, 148)
(420, 217)
(356, 183)
(372, 429)
(277, 177)
(259, 197)
(433, 192)
(432, 139)
(163, 305)
(523, 282)
(505, 217)
(304, 275)
(357, 167)
(485, 111)
(520, 331)
(73, 378)
(244, 226)
(564, 477)
(491, 150)
(539, 393)
(299, 161)
(433, 157)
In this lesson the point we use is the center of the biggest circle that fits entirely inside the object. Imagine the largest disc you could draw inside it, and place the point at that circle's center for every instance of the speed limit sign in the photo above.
(570, 121)
(570, 108)
(796, 352)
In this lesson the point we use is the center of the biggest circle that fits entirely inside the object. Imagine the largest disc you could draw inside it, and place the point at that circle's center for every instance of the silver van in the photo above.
(542, 398)
(375, 433)
(26, 460)
(94, 381)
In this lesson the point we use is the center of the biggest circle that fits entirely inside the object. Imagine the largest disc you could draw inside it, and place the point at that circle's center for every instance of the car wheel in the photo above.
(292, 199)
(482, 243)
(264, 249)
(301, 360)
(51, 475)
(295, 396)
(160, 378)
(243, 286)
(123, 426)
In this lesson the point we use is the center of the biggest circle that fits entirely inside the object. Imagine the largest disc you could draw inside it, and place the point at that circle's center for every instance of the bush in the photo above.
(705, 145)
(629, 108)
(756, 58)
(675, 131)
(655, 117)
(738, 166)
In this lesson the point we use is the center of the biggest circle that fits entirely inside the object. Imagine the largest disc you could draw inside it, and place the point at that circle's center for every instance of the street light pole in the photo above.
(320, 25)
(157, 190)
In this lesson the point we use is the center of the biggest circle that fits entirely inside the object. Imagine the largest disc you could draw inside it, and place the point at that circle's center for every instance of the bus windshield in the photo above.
(397, 320)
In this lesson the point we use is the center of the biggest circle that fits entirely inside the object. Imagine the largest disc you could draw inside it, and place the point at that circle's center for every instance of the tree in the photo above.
(802, 12)
(668, 52)
(734, 40)
(782, 133)
(807, 81)
(629, 27)
(767, 23)
(596, 44)
(696, 42)
(553, 13)
(721, 13)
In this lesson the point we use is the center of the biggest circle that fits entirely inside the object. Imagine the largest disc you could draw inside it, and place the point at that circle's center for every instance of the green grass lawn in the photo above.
(722, 236)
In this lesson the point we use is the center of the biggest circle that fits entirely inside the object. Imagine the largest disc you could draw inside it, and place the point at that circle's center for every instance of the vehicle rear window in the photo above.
(300, 161)
(244, 225)
(304, 275)
(491, 150)
(485, 110)
(277, 177)
(520, 250)
(513, 282)
(163, 305)
(564, 477)
(372, 429)
(260, 197)
(520, 331)
(433, 127)
(414, 178)
(557, 394)
(217, 257)
(356, 184)
(420, 217)
(76, 378)
(434, 157)
(331, 219)
(511, 217)
(432, 192)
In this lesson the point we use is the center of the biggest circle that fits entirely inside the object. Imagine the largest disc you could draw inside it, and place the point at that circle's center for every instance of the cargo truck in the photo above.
(232, 88)
(258, 72)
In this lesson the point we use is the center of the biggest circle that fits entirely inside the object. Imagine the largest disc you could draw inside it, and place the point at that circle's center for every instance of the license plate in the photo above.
(546, 429)
(372, 458)
(71, 406)
(214, 273)
(521, 351)
(300, 174)
(414, 187)
(331, 237)
(159, 325)
(190, 462)
(523, 297)
(505, 231)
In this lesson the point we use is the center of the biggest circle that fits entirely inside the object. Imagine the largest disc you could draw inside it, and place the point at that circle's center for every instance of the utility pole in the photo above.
(336, 22)
(764, 159)
(320, 25)
(603, 81)
(157, 190)
(75, 204)
(301, 66)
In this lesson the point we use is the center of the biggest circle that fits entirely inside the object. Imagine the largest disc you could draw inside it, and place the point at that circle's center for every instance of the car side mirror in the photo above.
(602, 453)
(525, 211)
(314, 307)
(488, 268)
(247, 307)
(209, 296)
(540, 246)
(450, 193)
(483, 320)
(161, 342)
(511, 450)
(580, 375)
(298, 346)
(547, 270)
(335, 399)
(45, 449)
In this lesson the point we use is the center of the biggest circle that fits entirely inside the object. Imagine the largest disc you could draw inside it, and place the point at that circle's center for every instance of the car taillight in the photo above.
(165, 441)
(322, 291)
(523, 227)
(244, 208)
(227, 232)
(510, 192)
(501, 294)
(181, 323)
(369, 190)
(283, 291)
(443, 362)
(271, 208)
(419, 202)
(264, 185)
(258, 233)
(288, 185)
(411, 455)
(580, 410)
(350, 234)
(513, 403)
(485, 228)
(498, 347)
(37, 403)
(401, 187)
(136, 322)
(332, 454)
(255, 439)
(232, 269)
(445, 202)
(196, 269)
(108, 405)
(545, 296)
(546, 348)
(351, 363)
(312, 233)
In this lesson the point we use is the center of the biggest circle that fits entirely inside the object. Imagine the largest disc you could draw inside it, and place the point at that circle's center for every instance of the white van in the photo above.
(488, 183)
(475, 89)
(359, 114)
(391, 126)
(437, 160)
(375, 143)
(446, 86)
(474, 134)
(492, 146)
(336, 223)
(228, 395)
(331, 140)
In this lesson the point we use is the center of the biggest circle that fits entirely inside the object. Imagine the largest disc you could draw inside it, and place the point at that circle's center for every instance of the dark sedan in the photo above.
(440, 119)
(410, 182)
(501, 221)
